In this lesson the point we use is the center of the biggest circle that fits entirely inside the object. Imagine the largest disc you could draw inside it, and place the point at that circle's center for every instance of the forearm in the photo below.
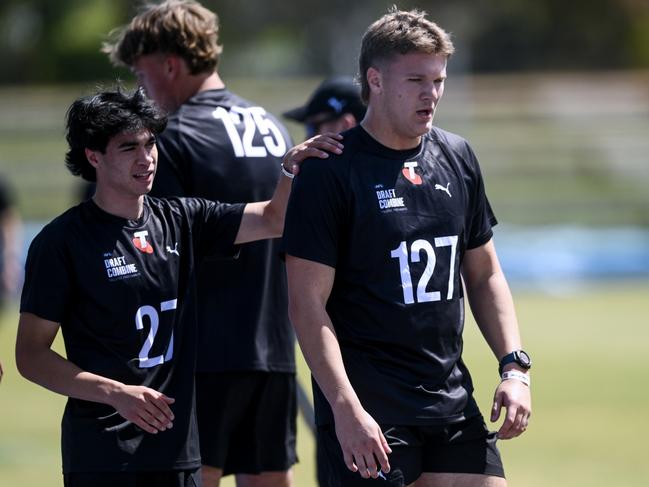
(493, 308)
(321, 351)
(52, 371)
(265, 219)
(274, 210)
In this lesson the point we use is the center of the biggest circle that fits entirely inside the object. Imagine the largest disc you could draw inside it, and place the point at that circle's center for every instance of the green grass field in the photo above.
(589, 426)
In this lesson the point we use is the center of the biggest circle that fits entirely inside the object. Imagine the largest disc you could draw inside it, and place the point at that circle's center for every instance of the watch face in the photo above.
(524, 359)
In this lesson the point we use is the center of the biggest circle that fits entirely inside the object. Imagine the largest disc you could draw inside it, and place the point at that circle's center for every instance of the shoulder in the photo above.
(169, 206)
(175, 207)
(236, 100)
(455, 147)
(450, 140)
(355, 149)
(55, 234)
(65, 220)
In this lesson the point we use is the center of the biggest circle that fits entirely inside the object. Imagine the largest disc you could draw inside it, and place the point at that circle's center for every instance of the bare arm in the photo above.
(265, 219)
(493, 308)
(38, 363)
(359, 435)
(10, 229)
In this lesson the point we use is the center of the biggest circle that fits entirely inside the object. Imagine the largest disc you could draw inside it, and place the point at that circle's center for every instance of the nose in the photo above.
(145, 156)
(432, 91)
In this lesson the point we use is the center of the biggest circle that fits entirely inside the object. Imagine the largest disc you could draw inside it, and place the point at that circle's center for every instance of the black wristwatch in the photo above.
(518, 356)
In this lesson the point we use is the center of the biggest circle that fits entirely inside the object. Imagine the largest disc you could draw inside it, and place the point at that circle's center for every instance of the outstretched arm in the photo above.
(493, 308)
(37, 362)
(360, 437)
(265, 219)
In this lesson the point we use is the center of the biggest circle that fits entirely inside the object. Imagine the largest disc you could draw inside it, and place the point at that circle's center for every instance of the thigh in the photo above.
(266, 479)
(405, 459)
(467, 447)
(222, 401)
(264, 441)
(458, 480)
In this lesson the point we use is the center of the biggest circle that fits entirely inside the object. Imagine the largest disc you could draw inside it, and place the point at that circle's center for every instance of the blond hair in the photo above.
(181, 27)
(400, 32)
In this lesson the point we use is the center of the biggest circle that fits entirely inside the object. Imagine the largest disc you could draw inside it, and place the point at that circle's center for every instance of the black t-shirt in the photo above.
(395, 226)
(221, 147)
(123, 293)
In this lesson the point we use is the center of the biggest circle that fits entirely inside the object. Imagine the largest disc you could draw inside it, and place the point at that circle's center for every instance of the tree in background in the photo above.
(47, 41)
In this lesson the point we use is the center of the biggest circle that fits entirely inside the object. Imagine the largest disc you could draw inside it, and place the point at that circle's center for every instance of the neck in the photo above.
(197, 83)
(128, 208)
(381, 130)
(211, 82)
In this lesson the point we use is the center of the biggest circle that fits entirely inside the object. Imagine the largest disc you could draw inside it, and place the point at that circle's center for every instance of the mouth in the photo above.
(143, 176)
(425, 113)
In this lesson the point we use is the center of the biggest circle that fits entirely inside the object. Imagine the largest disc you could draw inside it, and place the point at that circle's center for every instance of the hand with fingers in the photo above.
(319, 146)
(365, 449)
(515, 397)
(145, 407)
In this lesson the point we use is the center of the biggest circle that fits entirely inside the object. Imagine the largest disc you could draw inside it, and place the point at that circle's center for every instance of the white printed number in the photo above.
(401, 253)
(253, 120)
(154, 320)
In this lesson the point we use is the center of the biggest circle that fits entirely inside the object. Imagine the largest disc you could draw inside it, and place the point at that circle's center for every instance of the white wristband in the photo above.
(515, 374)
(286, 172)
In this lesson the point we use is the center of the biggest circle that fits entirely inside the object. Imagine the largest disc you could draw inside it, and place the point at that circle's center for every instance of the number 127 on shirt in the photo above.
(418, 246)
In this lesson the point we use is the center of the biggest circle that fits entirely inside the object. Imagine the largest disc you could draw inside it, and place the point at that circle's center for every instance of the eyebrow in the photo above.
(128, 144)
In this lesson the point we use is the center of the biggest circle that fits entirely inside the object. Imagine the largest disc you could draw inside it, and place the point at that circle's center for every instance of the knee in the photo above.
(211, 476)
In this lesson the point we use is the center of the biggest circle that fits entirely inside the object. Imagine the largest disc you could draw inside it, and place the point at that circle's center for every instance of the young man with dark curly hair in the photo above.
(117, 275)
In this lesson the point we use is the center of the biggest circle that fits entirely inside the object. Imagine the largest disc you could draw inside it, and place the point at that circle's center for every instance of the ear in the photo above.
(348, 121)
(91, 155)
(374, 80)
(174, 66)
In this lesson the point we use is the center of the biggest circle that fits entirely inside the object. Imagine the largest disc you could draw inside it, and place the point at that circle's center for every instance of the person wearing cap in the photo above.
(334, 106)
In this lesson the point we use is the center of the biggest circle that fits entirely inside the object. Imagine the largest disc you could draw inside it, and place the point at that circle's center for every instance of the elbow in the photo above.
(25, 361)
(22, 363)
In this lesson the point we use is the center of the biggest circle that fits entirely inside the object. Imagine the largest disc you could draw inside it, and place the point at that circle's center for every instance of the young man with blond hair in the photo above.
(219, 146)
(379, 242)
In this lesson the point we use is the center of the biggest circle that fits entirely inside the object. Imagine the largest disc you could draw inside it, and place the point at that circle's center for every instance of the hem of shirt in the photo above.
(418, 421)
(481, 240)
(312, 258)
(276, 368)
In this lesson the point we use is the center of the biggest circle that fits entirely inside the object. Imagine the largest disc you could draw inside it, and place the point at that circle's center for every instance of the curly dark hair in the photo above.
(181, 27)
(91, 121)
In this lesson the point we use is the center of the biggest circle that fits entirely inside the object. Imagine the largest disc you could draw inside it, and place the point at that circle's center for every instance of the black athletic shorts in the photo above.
(247, 421)
(466, 447)
(167, 478)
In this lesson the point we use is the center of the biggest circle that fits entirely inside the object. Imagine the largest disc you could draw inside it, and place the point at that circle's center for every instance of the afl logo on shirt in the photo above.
(409, 173)
(141, 243)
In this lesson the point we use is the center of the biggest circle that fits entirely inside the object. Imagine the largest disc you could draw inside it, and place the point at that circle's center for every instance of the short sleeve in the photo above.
(216, 225)
(482, 218)
(48, 282)
(316, 212)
